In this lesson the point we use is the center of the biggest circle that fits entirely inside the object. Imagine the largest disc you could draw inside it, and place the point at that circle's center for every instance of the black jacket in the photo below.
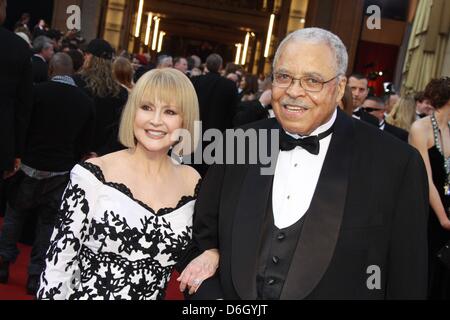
(218, 100)
(61, 128)
(40, 70)
(397, 132)
(360, 216)
(15, 96)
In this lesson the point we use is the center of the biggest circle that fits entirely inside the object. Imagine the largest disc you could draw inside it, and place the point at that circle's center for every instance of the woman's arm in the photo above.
(418, 139)
(61, 274)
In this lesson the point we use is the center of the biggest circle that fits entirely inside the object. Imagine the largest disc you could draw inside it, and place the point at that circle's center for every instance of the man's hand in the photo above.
(9, 174)
(198, 270)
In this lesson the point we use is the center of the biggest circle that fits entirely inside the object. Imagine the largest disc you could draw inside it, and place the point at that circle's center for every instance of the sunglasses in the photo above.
(372, 109)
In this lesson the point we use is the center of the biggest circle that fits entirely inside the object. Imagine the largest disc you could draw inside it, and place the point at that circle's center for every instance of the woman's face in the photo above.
(155, 125)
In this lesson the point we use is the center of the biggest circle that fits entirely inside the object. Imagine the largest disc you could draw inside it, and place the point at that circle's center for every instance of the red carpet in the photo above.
(15, 289)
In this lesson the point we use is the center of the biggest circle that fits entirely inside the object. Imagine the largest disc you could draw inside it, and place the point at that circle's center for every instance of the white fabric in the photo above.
(105, 237)
(296, 176)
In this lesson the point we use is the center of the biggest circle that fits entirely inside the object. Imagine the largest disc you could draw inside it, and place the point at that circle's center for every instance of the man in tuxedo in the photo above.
(44, 51)
(376, 107)
(423, 106)
(217, 97)
(360, 90)
(328, 224)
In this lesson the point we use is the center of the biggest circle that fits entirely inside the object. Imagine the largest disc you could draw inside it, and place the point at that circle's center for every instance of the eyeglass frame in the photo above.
(300, 81)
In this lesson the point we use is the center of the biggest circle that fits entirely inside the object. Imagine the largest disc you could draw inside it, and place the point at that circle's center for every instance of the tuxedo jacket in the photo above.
(40, 70)
(397, 132)
(366, 223)
(15, 96)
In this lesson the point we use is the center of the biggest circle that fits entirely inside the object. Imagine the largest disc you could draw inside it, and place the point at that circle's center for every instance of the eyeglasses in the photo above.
(308, 83)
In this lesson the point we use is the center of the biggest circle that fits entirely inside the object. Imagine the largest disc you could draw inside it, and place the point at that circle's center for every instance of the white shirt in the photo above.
(296, 176)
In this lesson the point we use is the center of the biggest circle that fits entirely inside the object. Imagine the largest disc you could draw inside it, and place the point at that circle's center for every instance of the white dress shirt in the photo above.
(296, 176)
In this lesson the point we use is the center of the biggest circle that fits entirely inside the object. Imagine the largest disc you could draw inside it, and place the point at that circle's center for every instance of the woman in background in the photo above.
(431, 136)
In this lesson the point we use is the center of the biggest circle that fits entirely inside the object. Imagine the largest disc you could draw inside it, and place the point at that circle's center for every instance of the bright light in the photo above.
(244, 52)
(149, 25)
(302, 20)
(269, 35)
(380, 73)
(155, 34)
(160, 41)
(238, 53)
(139, 18)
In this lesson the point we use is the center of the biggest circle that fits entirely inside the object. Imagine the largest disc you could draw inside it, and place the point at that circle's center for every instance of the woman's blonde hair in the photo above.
(403, 113)
(99, 78)
(164, 85)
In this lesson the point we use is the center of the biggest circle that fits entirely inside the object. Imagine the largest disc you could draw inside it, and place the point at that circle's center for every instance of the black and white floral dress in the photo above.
(109, 245)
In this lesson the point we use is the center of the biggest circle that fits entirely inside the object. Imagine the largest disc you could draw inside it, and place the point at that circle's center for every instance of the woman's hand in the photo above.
(198, 270)
(446, 224)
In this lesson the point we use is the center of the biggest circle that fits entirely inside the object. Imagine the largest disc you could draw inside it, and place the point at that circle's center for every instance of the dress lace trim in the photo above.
(98, 173)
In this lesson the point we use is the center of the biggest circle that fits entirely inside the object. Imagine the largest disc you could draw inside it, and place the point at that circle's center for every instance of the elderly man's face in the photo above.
(182, 65)
(300, 111)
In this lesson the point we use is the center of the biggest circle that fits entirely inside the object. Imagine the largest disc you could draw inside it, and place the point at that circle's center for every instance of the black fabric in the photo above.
(397, 132)
(366, 117)
(310, 144)
(100, 48)
(27, 197)
(217, 100)
(439, 275)
(276, 252)
(108, 111)
(61, 127)
(40, 70)
(359, 217)
(248, 112)
(15, 96)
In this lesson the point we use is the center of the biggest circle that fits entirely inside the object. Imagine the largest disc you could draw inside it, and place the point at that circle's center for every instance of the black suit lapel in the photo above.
(249, 217)
(321, 228)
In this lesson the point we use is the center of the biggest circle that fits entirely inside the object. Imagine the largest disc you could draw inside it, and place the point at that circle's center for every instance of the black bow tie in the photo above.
(358, 113)
(310, 144)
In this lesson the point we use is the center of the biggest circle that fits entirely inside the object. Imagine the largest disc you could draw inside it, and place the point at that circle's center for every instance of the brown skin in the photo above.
(317, 59)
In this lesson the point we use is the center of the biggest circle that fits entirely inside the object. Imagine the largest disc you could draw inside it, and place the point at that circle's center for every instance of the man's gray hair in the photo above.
(41, 43)
(162, 59)
(318, 35)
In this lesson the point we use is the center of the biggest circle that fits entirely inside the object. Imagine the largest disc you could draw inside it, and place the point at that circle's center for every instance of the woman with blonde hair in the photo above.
(123, 73)
(403, 113)
(97, 80)
(126, 218)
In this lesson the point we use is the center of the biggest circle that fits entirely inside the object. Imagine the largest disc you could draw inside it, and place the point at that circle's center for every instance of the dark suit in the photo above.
(397, 132)
(366, 117)
(218, 100)
(15, 96)
(40, 70)
(360, 216)
(248, 112)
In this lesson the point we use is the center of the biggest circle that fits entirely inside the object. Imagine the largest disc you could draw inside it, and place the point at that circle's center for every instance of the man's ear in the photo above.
(341, 88)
